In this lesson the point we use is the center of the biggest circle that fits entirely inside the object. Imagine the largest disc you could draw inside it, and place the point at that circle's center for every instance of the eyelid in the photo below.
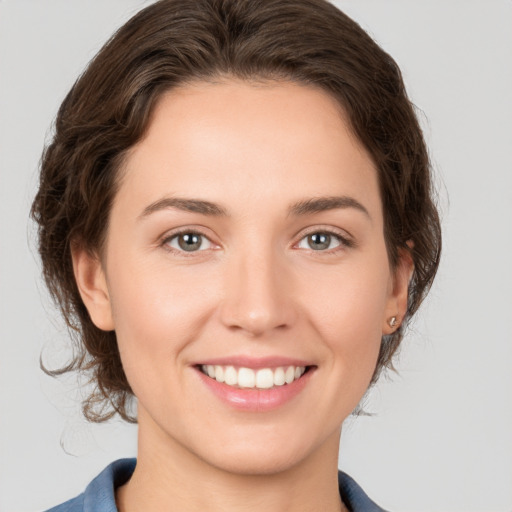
(169, 235)
(346, 240)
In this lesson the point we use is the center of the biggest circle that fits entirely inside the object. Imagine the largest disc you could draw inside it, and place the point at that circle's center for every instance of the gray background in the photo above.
(441, 439)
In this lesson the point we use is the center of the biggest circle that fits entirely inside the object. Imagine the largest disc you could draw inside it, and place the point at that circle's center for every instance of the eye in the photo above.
(322, 241)
(188, 241)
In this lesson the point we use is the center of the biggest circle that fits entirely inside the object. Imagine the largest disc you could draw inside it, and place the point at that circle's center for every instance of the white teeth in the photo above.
(246, 378)
(230, 376)
(279, 377)
(219, 374)
(289, 375)
(264, 378)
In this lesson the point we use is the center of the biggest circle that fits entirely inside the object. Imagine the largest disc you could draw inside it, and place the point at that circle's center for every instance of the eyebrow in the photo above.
(300, 208)
(188, 205)
(322, 204)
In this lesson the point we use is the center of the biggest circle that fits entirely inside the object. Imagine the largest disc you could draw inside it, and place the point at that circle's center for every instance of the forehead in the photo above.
(259, 141)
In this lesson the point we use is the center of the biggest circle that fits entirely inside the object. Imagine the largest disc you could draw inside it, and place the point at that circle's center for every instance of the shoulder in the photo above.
(99, 496)
(354, 497)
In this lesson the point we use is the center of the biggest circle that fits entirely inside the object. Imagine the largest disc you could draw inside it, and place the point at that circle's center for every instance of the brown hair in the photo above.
(172, 42)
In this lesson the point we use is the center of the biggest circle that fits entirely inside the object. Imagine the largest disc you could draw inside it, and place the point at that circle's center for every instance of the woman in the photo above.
(236, 218)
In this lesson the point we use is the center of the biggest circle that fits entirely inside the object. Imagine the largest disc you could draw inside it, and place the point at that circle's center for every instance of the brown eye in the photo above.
(189, 242)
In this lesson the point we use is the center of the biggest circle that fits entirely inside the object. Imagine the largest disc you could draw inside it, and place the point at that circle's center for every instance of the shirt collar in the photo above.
(100, 493)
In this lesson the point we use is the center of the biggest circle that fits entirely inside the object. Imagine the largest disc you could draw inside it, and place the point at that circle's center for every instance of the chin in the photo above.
(265, 456)
(256, 462)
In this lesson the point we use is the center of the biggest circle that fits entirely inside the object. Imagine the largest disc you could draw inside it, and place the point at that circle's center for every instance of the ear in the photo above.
(92, 285)
(399, 291)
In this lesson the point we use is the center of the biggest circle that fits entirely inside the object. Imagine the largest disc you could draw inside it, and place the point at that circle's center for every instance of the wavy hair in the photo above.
(170, 43)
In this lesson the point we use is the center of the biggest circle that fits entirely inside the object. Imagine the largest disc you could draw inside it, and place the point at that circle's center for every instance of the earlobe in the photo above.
(92, 285)
(398, 298)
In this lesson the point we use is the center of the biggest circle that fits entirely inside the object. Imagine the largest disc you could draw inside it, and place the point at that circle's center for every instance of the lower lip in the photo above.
(256, 400)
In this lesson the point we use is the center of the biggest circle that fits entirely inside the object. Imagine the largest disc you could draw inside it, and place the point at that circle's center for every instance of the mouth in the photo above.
(248, 378)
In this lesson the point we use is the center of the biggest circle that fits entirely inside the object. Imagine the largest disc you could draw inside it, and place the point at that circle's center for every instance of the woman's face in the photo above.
(246, 239)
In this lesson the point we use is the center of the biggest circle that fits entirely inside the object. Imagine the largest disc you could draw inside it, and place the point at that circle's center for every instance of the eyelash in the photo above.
(187, 254)
(344, 242)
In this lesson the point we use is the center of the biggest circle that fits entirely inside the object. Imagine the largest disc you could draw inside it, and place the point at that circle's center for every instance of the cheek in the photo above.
(156, 313)
(347, 307)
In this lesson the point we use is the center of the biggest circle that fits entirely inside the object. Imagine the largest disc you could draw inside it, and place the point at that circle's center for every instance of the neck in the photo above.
(169, 477)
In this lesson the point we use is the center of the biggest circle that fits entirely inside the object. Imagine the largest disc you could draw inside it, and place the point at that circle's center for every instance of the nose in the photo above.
(258, 294)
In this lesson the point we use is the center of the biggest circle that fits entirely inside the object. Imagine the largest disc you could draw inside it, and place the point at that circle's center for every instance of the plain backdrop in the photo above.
(441, 436)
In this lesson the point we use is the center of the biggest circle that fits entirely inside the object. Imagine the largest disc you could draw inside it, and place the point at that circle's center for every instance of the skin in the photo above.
(256, 288)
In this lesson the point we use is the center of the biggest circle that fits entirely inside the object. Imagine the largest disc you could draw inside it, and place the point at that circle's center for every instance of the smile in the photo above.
(262, 378)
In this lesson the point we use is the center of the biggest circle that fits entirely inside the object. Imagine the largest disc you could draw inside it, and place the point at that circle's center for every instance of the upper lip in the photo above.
(254, 362)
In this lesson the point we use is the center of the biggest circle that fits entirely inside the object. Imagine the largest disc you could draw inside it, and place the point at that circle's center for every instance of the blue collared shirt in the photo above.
(99, 496)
